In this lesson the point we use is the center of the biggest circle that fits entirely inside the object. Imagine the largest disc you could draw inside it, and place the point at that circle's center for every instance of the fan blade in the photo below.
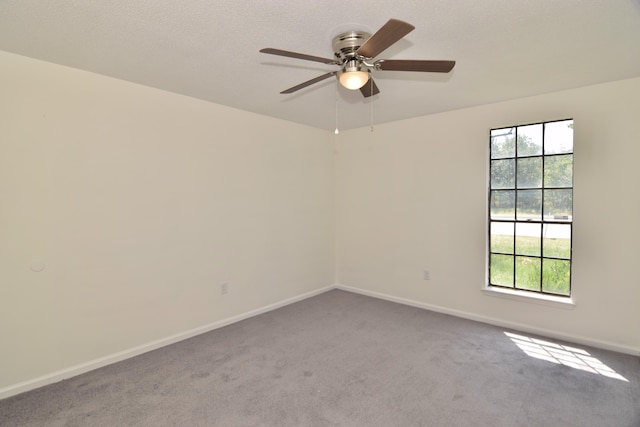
(309, 82)
(298, 55)
(415, 65)
(390, 33)
(370, 88)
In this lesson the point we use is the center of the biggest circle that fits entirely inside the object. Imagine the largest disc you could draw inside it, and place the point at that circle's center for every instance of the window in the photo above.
(531, 207)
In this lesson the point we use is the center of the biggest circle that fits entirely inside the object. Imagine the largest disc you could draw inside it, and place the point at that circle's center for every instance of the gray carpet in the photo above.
(341, 359)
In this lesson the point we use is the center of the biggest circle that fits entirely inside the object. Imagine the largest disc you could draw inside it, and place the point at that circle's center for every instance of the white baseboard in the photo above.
(132, 352)
(498, 322)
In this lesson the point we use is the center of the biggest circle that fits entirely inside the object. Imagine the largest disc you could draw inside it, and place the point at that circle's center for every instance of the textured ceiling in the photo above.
(208, 49)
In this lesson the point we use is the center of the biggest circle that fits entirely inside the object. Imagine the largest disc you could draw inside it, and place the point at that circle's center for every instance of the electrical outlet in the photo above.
(426, 275)
(224, 288)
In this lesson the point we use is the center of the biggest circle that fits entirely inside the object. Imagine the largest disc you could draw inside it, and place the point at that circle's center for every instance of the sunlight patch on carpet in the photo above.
(573, 357)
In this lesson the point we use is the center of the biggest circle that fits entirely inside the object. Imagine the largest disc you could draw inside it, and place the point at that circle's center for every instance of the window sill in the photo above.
(548, 300)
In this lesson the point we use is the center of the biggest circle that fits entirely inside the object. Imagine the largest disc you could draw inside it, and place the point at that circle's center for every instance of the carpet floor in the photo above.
(342, 359)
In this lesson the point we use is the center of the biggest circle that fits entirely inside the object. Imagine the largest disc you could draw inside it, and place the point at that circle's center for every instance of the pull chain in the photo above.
(336, 131)
(371, 91)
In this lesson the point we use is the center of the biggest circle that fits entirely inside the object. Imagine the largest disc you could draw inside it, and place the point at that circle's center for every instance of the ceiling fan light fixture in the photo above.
(352, 77)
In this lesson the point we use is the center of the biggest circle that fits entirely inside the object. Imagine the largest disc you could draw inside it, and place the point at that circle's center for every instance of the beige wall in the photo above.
(139, 203)
(412, 196)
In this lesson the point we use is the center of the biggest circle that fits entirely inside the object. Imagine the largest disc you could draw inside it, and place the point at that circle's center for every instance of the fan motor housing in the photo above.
(345, 45)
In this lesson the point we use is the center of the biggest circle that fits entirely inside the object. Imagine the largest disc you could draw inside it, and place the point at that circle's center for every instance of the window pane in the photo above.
(528, 239)
(503, 143)
(503, 173)
(530, 172)
(558, 171)
(556, 276)
(558, 137)
(502, 237)
(503, 204)
(558, 204)
(501, 267)
(529, 204)
(530, 140)
(528, 273)
(556, 241)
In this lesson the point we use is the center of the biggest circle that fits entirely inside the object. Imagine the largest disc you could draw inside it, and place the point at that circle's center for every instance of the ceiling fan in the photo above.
(354, 53)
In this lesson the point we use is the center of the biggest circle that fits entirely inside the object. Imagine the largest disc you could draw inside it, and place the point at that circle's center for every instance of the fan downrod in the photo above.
(345, 45)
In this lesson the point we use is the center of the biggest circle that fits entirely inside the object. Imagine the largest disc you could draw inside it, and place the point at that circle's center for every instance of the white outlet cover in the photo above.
(37, 265)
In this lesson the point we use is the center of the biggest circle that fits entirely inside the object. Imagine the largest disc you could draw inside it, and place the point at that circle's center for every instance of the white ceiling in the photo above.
(208, 49)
